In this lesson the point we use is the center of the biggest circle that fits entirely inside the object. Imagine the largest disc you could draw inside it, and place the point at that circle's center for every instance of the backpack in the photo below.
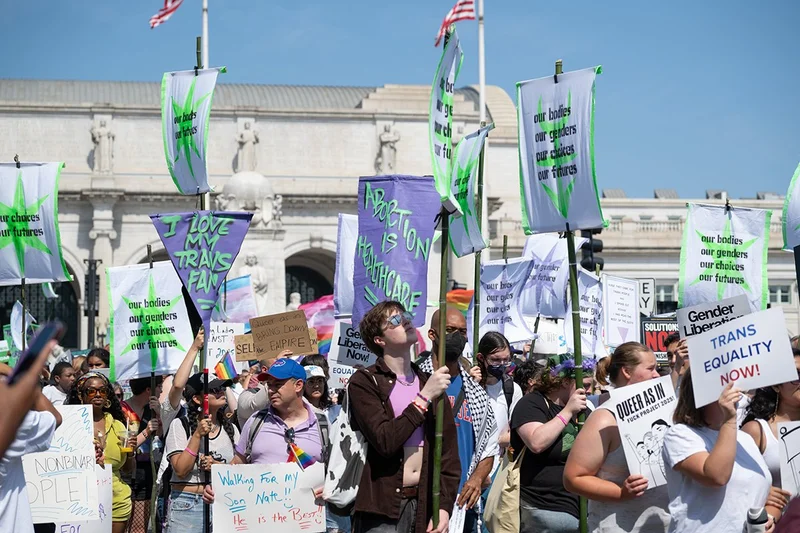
(322, 427)
(163, 487)
(508, 391)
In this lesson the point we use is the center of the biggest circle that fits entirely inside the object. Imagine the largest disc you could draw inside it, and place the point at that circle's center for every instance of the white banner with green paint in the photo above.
(30, 243)
(791, 213)
(440, 121)
(556, 149)
(724, 254)
(465, 231)
(185, 108)
(150, 328)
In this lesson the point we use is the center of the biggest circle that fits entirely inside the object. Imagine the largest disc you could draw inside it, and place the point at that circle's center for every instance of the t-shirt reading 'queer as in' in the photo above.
(541, 474)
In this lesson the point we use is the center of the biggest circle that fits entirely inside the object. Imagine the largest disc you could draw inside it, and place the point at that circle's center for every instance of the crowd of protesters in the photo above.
(503, 406)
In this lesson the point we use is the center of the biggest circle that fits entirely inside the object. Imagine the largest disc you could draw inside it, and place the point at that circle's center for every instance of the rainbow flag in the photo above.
(297, 455)
(460, 298)
(226, 369)
(319, 315)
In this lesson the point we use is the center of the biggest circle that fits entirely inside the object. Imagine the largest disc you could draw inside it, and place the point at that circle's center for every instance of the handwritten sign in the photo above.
(273, 334)
(260, 497)
(221, 340)
(104, 492)
(590, 289)
(621, 310)
(789, 452)
(752, 352)
(312, 334)
(245, 349)
(706, 316)
(644, 413)
(202, 246)
(61, 482)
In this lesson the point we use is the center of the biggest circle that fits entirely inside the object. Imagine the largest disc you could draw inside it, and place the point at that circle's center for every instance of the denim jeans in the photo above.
(372, 523)
(184, 513)
(534, 520)
(335, 523)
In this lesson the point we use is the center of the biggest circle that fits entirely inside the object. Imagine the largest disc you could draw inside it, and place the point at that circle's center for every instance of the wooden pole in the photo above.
(24, 311)
(476, 292)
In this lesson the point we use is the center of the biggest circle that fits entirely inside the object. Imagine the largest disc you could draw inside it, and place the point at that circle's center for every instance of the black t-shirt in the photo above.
(541, 474)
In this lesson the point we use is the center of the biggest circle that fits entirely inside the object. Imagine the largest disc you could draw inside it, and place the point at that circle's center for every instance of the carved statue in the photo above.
(247, 139)
(277, 213)
(258, 280)
(294, 302)
(386, 161)
(103, 139)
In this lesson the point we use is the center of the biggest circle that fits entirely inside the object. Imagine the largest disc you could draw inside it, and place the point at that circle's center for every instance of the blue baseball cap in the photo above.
(285, 368)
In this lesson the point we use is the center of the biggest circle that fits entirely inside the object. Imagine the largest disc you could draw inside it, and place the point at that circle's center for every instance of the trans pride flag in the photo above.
(319, 315)
(238, 305)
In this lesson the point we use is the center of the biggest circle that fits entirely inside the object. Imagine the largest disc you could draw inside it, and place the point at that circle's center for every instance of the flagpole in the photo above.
(481, 66)
(205, 62)
(476, 286)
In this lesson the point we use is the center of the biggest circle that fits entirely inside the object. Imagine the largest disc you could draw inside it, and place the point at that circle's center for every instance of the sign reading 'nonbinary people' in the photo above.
(396, 219)
(556, 150)
(752, 352)
(704, 317)
(724, 254)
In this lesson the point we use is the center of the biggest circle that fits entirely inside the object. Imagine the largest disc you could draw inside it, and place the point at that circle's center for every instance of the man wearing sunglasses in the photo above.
(391, 404)
(476, 426)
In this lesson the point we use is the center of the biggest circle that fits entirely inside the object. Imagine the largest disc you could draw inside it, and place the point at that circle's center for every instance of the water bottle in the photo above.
(757, 520)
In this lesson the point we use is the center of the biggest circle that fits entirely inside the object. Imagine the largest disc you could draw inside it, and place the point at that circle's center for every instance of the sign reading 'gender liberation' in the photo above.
(440, 121)
(185, 108)
(30, 246)
(396, 218)
(202, 246)
(556, 150)
(723, 254)
(465, 231)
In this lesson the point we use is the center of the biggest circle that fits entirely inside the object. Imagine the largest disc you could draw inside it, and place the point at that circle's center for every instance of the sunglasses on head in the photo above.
(397, 319)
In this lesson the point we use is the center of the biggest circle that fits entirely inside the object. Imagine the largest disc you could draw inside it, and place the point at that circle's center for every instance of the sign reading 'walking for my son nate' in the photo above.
(752, 352)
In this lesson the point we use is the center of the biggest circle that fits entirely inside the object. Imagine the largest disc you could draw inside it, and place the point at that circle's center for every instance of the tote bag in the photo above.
(501, 514)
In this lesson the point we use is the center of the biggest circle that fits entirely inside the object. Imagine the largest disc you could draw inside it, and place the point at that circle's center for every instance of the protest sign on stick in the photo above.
(104, 496)
(644, 413)
(500, 307)
(724, 254)
(273, 334)
(61, 482)
(150, 328)
(789, 452)
(545, 291)
(556, 150)
(465, 231)
(752, 352)
(347, 236)
(277, 497)
(221, 341)
(704, 317)
(590, 289)
(245, 349)
(791, 213)
(620, 310)
(396, 219)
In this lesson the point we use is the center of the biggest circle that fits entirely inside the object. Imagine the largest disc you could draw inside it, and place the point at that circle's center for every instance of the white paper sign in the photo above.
(104, 491)
(347, 237)
(276, 498)
(752, 352)
(789, 450)
(61, 482)
(644, 413)
(647, 296)
(590, 289)
(704, 317)
(620, 310)
(347, 350)
(219, 342)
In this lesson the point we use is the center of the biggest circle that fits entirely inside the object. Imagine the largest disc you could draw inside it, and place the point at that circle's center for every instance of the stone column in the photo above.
(102, 233)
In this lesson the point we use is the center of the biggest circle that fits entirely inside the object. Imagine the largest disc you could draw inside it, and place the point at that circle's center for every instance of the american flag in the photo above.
(163, 15)
(463, 10)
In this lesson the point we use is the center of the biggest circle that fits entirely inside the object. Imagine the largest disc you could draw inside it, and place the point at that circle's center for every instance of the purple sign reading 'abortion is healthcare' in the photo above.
(202, 246)
(396, 218)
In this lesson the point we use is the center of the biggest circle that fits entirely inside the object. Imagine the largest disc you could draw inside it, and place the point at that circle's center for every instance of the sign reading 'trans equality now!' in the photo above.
(396, 217)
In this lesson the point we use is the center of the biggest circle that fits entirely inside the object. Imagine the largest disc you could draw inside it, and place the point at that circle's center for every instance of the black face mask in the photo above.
(454, 346)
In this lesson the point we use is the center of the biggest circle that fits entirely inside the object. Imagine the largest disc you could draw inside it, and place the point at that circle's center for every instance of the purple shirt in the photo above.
(269, 446)
(400, 397)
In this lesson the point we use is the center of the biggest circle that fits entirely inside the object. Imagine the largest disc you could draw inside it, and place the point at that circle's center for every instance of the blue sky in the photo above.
(695, 95)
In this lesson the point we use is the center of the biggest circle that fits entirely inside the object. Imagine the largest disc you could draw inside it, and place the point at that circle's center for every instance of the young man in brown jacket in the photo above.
(391, 405)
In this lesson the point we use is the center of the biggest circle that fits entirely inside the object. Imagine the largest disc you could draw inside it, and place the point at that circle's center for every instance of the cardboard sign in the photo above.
(221, 340)
(647, 296)
(644, 413)
(706, 316)
(752, 352)
(312, 334)
(621, 310)
(61, 482)
(103, 525)
(347, 351)
(278, 498)
(654, 332)
(789, 451)
(245, 349)
(273, 334)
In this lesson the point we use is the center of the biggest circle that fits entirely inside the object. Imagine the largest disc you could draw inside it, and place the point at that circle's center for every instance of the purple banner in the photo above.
(396, 218)
(202, 246)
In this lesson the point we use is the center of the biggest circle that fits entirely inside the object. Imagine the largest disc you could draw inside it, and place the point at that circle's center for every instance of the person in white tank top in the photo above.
(769, 407)
(597, 470)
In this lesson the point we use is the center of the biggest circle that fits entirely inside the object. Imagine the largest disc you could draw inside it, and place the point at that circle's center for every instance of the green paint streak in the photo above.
(185, 115)
(18, 225)
(727, 256)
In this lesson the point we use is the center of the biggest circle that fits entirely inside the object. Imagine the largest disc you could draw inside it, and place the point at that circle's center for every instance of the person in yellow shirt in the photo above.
(110, 433)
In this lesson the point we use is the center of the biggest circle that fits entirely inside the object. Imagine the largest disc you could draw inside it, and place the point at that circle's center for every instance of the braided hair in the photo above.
(194, 412)
(114, 408)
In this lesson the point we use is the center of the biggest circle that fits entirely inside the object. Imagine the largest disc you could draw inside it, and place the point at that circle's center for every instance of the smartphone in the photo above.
(52, 330)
